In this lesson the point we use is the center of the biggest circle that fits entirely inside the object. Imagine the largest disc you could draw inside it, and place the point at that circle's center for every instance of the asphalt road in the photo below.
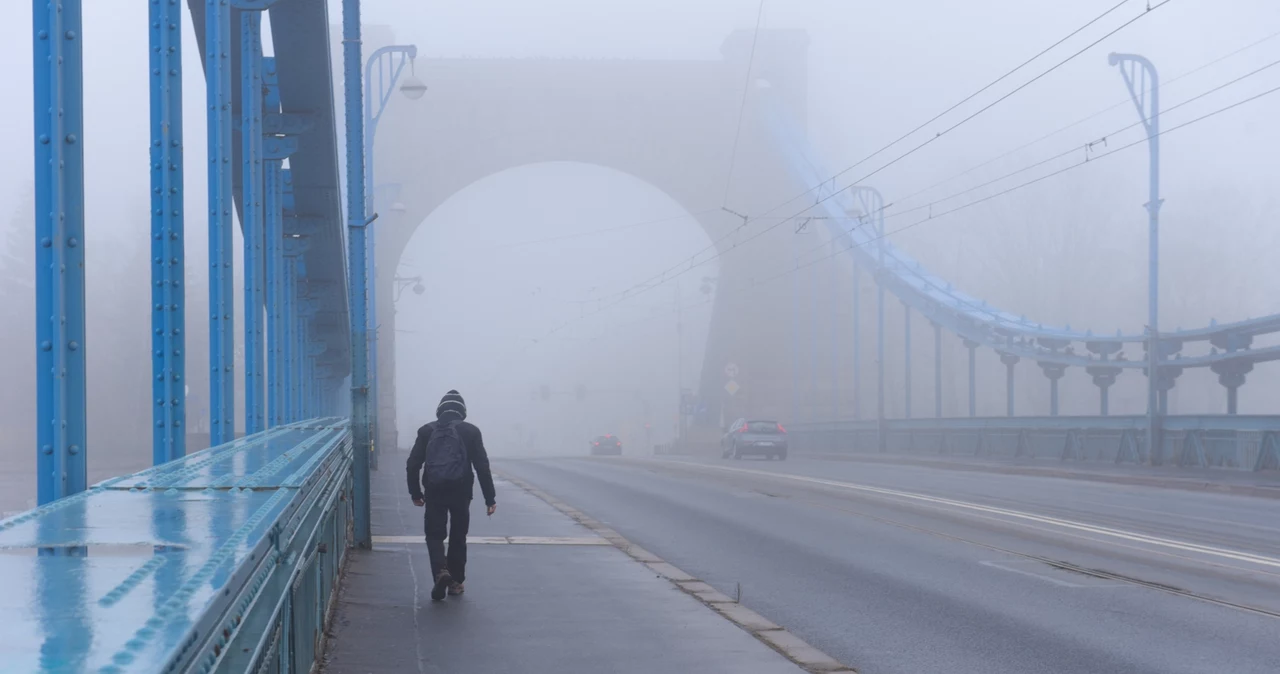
(915, 570)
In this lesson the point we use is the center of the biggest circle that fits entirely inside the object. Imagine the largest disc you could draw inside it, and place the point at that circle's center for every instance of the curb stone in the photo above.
(790, 646)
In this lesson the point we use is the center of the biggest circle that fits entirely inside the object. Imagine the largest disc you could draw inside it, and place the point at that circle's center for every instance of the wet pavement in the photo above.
(543, 595)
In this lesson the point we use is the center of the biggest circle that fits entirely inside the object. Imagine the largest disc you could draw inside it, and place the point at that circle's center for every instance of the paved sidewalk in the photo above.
(544, 594)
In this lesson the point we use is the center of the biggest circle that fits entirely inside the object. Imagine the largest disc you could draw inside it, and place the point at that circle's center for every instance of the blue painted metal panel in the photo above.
(126, 578)
(168, 265)
(289, 334)
(251, 216)
(218, 72)
(274, 249)
(59, 233)
(356, 262)
(300, 37)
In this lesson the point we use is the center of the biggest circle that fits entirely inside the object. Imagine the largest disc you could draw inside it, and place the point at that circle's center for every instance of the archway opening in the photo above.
(519, 291)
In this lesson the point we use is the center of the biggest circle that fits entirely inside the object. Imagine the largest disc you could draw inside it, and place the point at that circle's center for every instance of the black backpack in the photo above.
(446, 455)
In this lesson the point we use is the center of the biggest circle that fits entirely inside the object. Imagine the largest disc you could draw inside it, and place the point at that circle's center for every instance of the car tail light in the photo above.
(743, 429)
(781, 429)
(596, 444)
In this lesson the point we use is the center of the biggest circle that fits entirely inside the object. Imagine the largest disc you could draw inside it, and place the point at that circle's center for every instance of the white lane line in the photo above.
(1185, 546)
(1037, 576)
(504, 540)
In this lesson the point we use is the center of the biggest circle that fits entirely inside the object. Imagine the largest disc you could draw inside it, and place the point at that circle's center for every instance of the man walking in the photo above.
(453, 453)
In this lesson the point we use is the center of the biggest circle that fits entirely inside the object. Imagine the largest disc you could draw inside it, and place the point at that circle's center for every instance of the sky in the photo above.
(1068, 250)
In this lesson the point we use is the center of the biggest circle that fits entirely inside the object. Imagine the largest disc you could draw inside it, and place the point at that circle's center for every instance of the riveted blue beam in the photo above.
(58, 82)
(218, 73)
(357, 274)
(252, 213)
(273, 249)
(937, 299)
(288, 333)
(287, 123)
(273, 235)
(168, 264)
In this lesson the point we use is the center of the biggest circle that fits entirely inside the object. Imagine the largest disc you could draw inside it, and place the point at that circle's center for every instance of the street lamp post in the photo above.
(403, 282)
(1141, 79)
(385, 66)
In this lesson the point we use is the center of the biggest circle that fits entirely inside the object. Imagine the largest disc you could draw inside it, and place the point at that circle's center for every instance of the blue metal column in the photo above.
(251, 211)
(301, 341)
(906, 334)
(356, 256)
(288, 340)
(58, 80)
(857, 341)
(973, 376)
(1138, 73)
(222, 393)
(937, 370)
(274, 238)
(273, 248)
(168, 315)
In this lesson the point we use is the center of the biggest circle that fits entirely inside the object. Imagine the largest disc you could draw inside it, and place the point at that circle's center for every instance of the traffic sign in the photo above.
(731, 370)
(732, 387)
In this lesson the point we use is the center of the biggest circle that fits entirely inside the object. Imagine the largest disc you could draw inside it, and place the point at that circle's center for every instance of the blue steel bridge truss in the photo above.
(1223, 348)
(226, 560)
(272, 149)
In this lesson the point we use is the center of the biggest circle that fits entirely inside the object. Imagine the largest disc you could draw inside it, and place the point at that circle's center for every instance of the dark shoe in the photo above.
(443, 581)
(456, 589)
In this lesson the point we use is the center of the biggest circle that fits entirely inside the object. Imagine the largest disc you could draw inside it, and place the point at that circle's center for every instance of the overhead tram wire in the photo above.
(1077, 148)
(973, 95)
(691, 262)
(953, 127)
(798, 267)
(1015, 188)
(1125, 101)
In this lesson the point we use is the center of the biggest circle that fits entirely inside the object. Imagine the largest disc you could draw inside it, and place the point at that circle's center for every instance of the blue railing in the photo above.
(225, 560)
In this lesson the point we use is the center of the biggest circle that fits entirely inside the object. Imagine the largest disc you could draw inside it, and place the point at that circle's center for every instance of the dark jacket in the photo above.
(464, 490)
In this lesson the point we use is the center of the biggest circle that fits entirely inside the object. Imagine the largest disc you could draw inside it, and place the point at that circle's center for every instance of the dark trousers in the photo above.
(448, 519)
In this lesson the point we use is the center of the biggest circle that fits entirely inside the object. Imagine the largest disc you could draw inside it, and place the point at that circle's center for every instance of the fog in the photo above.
(521, 268)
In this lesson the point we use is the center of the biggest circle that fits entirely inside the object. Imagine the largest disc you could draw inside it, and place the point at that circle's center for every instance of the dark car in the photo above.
(606, 445)
(759, 437)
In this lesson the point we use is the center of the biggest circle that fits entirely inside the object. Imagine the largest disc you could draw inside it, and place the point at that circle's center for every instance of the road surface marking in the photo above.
(504, 540)
(1004, 566)
(779, 639)
(1185, 546)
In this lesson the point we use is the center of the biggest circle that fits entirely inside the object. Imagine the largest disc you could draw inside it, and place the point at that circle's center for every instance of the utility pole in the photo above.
(1140, 78)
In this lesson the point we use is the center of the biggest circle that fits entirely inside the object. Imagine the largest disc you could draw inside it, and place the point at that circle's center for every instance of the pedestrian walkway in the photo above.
(544, 594)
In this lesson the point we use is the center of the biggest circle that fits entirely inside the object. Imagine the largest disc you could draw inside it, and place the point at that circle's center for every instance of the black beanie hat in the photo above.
(452, 403)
